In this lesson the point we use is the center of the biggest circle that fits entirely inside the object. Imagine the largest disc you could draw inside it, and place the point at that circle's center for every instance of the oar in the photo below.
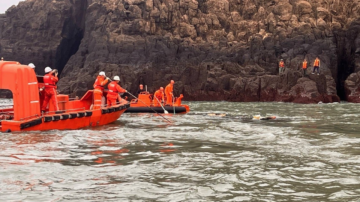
(165, 112)
(173, 103)
(150, 107)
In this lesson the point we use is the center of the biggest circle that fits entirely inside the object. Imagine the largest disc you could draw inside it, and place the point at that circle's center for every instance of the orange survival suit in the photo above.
(282, 64)
(99, 84)
(113, 93)
(169, 93)
(50, 91)
(304, 65)
(159, 95)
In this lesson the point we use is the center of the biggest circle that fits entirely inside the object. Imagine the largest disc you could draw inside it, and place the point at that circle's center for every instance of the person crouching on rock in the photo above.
(50, 80)
(169, 92)
(316, 66)
(159, 97)
(114, 90)
(99, 84)
(281, 66)
(304, 67)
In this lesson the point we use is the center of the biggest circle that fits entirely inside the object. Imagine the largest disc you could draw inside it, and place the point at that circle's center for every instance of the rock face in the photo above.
(42, 32)
(352, 83)
(213, 49)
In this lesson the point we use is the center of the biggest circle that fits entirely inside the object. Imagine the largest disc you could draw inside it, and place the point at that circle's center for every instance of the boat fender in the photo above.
(8, 131)
(104, 111)
(116, 109)
(64, 116)
(81, 114)
(56, 118)
(31, 123)
(127, 106)
(48, 118)
(88, 113)
(111, 110)
(73, 115)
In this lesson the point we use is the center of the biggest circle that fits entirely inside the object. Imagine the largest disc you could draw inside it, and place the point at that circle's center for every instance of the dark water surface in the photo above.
(310, 153)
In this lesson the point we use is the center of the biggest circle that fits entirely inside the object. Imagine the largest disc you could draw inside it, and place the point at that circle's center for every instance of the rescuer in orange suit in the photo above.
(50, 80)
(304, 67)
(281, 66)
(99, 84)
(114, 90)
(159, 94)
(316, 66)
(169, 92)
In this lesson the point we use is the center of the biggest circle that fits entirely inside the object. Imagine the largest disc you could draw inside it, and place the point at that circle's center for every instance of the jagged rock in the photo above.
(214, 49)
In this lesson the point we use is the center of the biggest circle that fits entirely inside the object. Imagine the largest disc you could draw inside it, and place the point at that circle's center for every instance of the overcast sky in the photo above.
(5, 4)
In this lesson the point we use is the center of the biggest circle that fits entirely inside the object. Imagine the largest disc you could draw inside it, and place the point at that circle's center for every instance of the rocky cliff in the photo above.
(213, 49)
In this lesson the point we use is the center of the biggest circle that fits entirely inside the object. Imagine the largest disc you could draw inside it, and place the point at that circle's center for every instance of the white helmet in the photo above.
(48, 69)
(102, 74)
(31, 65)
(116, 78)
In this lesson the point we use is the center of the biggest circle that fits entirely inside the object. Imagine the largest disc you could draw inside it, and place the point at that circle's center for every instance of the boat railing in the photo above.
(69, 110)
(30, 117)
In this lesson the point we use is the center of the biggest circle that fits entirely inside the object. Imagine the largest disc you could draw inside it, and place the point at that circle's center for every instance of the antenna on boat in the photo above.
(145, 88)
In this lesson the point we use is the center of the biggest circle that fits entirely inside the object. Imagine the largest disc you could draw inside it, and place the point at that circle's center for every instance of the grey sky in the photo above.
(5, 4)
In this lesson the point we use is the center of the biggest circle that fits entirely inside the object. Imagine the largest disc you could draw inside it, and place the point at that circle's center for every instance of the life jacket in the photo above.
(281, 64)
(113, 88)
(99, 83)
(50, 80)
(304, 65)
(317, 63)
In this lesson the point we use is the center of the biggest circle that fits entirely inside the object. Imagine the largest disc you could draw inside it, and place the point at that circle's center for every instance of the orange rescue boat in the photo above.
(25, 114)
(145, 104)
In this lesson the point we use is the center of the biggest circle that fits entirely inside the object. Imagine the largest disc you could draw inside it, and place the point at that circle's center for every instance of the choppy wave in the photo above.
(309, 153)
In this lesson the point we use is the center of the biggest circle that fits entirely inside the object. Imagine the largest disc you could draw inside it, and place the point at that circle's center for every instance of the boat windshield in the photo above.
(40, 79)
(6, 105)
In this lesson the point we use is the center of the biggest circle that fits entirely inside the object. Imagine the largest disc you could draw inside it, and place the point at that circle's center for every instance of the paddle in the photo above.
(166, 112)
(149, 107)
(173, 99)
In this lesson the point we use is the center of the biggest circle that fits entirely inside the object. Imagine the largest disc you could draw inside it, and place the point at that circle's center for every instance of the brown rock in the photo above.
(214, 49)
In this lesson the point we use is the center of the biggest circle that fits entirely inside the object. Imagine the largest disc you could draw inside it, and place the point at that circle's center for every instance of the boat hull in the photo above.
(67, 121)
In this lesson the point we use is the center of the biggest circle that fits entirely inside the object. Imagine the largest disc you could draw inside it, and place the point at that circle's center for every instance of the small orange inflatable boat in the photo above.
(145, 104)
(25, 115)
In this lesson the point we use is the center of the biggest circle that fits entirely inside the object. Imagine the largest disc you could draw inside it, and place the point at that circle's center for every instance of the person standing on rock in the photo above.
(281, 66)
(50, 80)
(169, 92)
(99, 84)
(114, 90)
(316, 66)
(304, 67)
